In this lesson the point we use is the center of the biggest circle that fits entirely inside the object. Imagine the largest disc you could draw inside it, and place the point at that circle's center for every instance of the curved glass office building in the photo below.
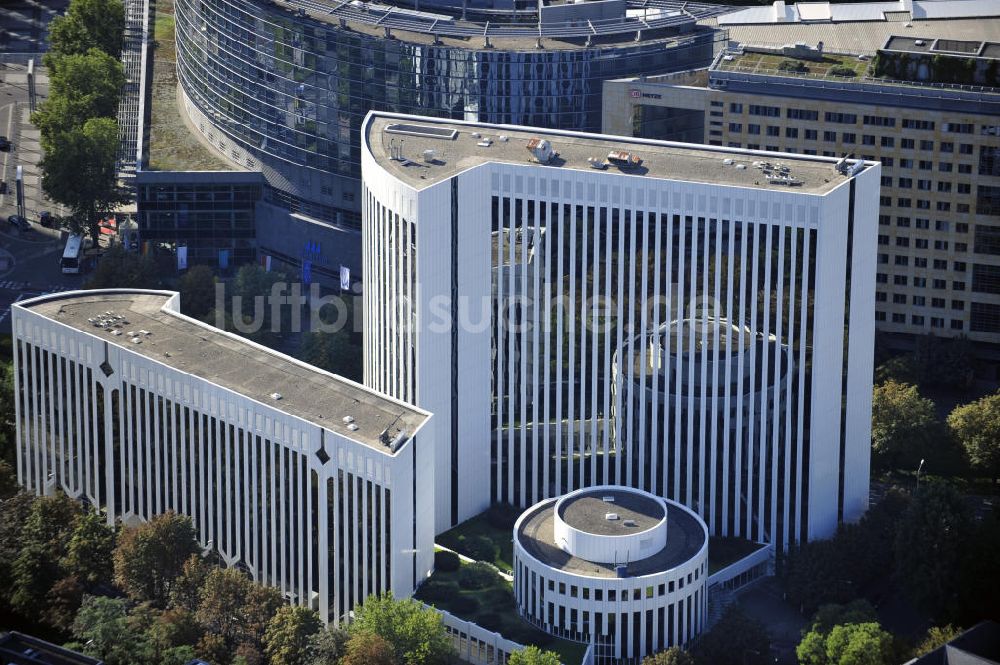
(283, 87)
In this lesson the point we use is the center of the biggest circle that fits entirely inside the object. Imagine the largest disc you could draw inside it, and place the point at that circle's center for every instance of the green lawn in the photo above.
(493, 609)
(459, 539)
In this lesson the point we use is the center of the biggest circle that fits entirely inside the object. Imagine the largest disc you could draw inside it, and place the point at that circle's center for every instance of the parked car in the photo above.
(5, 143)
(19, 222)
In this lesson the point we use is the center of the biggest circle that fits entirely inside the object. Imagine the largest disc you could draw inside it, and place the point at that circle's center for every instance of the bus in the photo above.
(71, 255)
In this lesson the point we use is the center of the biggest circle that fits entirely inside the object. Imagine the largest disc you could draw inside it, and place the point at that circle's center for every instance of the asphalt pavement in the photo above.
(29, 259)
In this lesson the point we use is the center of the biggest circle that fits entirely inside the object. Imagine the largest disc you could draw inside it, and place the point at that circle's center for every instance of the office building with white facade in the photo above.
(692, 321)
(615, 567)
(310, 482)
(914, 84)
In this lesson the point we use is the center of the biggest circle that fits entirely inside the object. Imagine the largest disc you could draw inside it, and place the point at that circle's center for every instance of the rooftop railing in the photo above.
(657, 14)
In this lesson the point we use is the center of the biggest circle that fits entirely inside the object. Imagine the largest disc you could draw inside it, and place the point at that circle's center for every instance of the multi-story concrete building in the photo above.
(618, 568)
(511, 269)
(926, 104)
(310, 482)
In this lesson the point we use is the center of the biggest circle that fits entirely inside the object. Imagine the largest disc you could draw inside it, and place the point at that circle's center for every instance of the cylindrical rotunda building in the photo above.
(694, 382)
(615, 567)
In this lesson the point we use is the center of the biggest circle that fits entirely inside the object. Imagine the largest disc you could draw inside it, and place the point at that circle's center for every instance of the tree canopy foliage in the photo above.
(532, 655)
(904, 426)
(932, 535)
(152, 555)
(79, 133)
(197, 289)
(79, 170)
(415, 632)
(672, 656)
(86, 24)
(736, 639)
(977, 427)
(84, 86)
(846, 635)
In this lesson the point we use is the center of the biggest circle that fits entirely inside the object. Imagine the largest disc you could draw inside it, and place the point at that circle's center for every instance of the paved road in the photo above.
(24, 23)
(29, 260)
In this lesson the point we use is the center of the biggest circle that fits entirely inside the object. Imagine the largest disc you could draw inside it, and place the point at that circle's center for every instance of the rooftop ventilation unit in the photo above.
(398, 441)
(608, 499)
(353, 427)
(541, 150)
(611, 517)
(348, 419)
(629, 523)
(621, 571)
(276, 396)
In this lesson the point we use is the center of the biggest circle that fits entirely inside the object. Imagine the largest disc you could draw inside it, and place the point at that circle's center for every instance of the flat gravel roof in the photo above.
(660, 159)
(588, 511)
(234, 364)
(685, 538)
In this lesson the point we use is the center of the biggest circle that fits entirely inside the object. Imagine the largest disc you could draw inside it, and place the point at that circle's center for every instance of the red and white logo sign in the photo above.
(636, 94)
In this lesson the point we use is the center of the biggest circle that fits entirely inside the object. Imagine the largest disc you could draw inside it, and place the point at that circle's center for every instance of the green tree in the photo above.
(327, 646)
(672, 656)
(172, 628)
(735, 640)
(902, 422)
(181, 655)
(369, 649)
(121, 269)
(90, 550)
(8, 480)
(101, 627)
(812, 650)
(815, 574)
(85, 85)
(532, 655)
(932, 535)
(186, 589)
(252, 305)
(7, 426)
(286, 641)
(86, 24)
(828, 616)
(63, 600)
(859, 644)
(44, 544)
(936, 636)
(415, 632)
(197, 289)
(151, 556)
(977, 427)
(79, 170)
(334, 352)
(236, 608)
(14, 511)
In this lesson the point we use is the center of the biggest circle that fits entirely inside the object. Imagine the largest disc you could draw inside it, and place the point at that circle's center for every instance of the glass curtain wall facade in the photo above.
(293, 90)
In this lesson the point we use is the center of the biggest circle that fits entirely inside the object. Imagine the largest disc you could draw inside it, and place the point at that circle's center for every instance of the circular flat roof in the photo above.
(587, 512)
(686, 535)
